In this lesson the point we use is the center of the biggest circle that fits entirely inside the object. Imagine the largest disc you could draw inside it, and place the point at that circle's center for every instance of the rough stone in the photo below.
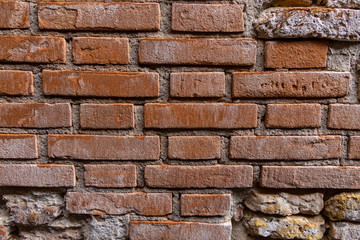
(344, 231)
(290, 3)
(342, 3)
(290, 227)
(49, 233)
(285, 204)
(343, 206)
(309, 22)
(5, 223)
(112, 227)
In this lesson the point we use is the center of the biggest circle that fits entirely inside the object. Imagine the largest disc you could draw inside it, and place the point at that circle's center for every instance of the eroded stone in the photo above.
(344, 231)
(42, 234)
(343, 206)
(106, 228)
(342, 3)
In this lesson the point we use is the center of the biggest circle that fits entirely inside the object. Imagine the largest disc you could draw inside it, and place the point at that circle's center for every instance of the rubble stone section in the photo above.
(343, 207)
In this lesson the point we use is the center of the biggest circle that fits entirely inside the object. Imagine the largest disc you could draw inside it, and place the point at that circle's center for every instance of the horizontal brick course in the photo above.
(205, 204)
(18, 146)
(344, 116)
(14, 14)
(354, 147)
(16, 82)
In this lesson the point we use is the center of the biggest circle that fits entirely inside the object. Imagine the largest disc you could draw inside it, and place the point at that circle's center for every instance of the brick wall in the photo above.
(179, 120)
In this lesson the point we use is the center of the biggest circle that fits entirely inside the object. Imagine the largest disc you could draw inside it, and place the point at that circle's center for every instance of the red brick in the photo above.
(296, 54)
(200, 115)
(100, 50)
(218, 176)
(169, 230)
(205, 204)
(109, 16)
(37, 175)
(16, 83)
(100, 84)
(207, 17)
(35, 115)
(285, 147)
(290, 84)
(293, 116)
(18, 146)
(310, 177)
(98, 147)
(14, 14)
(344, 116)
(32, 49)
(354, 147)
(107, 116)
(194, 147)
(197, 84)
(110, 175)
(223, 52)
(96, 203)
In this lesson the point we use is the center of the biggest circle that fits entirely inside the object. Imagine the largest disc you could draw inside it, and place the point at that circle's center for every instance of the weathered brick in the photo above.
(18, 146)
(35, 115)
(224, 176)
(296, 54)
(37, 175)
(291, 3)
(285, 147)
(107, 116)
(344, 116)
(310, 177)
(109, 16)
(169, 230)
(200, 115)
(32, 49)
(14, 14)
(194, 147)
(100, 50)
(98, 147)
(96, 203)
(16, 82)
(207, 17)
(354, 147)
(205, 204)
(293, 115)
(290, 84)
(110, 175)
(197, 84)
(100, 84)
(225, 52)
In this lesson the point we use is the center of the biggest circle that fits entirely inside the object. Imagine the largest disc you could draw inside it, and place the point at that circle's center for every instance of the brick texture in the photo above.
(336, 177)
(18, 146)
(207, 17)
(96, 203)
(205, 204)
(228, 176)
(200, 115)
(16, 83)
(176, 51)
(14, 14)
(344, 116)
(100, 50)
(296, 54)
(354, 147)
(96, 147)
(100, 84)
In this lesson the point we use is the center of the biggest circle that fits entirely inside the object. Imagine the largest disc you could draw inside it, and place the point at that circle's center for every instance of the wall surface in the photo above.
(180, 119)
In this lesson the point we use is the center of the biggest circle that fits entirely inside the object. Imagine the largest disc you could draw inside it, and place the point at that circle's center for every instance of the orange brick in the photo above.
(100, 84)
(35, 115)
(109, 16)
(98, 147)
(96, 203)
(177, 51)
(200, 115)
(218, 176)
(100, 50)
(110, 175)
(290, 84)
(197, 84)
(169, 230)
(37, 175)
(205, 204)
(32, 49)
(14, 14)
(344, 116)
(293, 116)
(296, 54)
(194, 147)
(285, 147)
(207, 17)
(18, 146)
(16, 82)
(354, 147)
(310, 177)
(107, 116)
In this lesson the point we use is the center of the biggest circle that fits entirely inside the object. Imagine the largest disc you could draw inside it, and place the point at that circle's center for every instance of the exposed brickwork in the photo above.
(344, 116)
(14, 14)
(205, 204)
(18, 146)
(16, 83)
